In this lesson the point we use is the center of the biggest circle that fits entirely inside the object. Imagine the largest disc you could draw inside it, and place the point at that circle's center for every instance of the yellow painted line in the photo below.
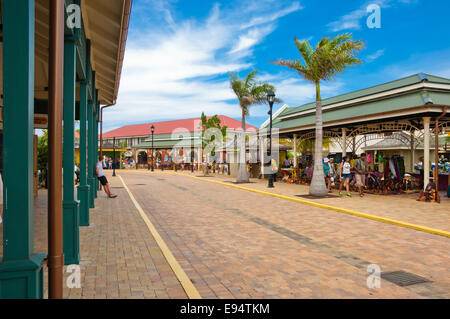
(385, 220)
(186, 283)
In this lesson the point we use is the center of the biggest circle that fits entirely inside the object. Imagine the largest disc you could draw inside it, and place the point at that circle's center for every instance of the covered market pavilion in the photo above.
(62, 59)
(416, 105)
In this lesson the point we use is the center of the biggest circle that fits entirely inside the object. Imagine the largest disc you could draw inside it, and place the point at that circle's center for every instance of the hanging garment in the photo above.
(392, 168)
(368, 158)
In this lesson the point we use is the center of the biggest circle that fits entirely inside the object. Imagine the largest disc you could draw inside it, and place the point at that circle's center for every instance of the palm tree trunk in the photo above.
(318, 186)
(242, 175)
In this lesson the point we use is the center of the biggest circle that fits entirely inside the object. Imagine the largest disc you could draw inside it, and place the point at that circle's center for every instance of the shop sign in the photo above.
(41, 121)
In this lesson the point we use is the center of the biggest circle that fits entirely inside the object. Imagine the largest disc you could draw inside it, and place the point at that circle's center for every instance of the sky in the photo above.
(179, 52)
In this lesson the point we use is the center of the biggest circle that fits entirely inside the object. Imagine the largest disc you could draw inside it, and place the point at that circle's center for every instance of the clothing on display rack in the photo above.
(395, 167)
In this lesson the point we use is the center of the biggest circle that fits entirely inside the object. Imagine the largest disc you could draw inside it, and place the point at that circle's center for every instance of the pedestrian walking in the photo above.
(332, 173)
(360, 167)
(326, 171)
(344, 175)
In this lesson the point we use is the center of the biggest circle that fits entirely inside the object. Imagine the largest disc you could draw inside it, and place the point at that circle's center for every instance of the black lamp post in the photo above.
(153, 131)
(270, 99)
(192, 161)
(114, 157)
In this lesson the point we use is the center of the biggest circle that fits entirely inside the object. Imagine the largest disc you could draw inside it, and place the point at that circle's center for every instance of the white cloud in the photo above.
(352, 20)
(372, 57)
(180, 71)
(251, 38)
(273, 16)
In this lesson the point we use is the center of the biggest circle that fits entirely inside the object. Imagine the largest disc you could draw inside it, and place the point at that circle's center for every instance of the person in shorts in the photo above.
(102, 178)
(344, 174)
(360, 167)
(326, 172)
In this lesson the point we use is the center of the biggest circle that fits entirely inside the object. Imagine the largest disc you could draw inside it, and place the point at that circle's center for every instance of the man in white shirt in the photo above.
(102, 178)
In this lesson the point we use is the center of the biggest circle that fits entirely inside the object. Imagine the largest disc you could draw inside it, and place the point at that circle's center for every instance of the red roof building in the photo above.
(167, 136)
(168, 127)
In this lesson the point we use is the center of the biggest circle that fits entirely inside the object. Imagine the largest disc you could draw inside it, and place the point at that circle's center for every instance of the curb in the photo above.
(328, 207)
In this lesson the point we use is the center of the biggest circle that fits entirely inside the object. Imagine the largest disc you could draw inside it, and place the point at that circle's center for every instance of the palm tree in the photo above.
(248, 92)
(329, 58)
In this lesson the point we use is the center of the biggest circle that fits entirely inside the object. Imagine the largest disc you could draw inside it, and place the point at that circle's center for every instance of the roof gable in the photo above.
(168, 127)
(413, 79)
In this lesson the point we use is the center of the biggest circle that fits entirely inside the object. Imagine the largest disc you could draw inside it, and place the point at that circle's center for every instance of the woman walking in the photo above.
(344, 174)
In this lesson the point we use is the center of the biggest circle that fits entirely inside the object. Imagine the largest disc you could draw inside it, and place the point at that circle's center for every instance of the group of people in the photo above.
(343, 171)
(108, 162)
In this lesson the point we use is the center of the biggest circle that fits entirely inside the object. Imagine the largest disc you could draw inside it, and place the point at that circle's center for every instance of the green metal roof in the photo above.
(371, 106)
(410, 80)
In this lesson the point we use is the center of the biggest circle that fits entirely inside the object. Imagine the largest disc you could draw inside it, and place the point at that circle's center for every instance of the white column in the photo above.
(412, 141)
(426, 151)
(295, 150)
(344, 142)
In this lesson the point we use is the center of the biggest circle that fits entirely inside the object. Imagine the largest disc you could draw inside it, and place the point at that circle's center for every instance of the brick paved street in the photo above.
(119, 258)
(238, 244)
(400, 207)
(234, 243)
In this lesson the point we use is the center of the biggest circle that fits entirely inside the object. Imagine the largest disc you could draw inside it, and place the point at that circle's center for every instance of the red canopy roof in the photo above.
(167, 127)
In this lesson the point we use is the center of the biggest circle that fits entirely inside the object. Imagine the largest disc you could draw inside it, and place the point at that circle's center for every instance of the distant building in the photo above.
(185, 134)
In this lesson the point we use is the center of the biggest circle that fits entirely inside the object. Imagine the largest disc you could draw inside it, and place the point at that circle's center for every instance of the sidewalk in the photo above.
(399, 207)
(119, 257)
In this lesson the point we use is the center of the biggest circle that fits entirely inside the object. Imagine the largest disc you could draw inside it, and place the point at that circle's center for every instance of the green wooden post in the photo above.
(95, 142)
(97, 134)
(21, 270)
(83, 188)
(91, 179)
(71, 219)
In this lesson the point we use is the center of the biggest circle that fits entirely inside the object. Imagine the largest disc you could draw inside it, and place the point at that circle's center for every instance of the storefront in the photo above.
(415, 106)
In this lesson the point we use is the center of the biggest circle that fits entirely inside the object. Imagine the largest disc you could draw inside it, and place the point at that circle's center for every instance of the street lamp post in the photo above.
(114, 157)
(270, 99)
(153, 159)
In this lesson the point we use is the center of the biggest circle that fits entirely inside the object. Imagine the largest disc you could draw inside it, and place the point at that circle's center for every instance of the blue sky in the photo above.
(179, 53)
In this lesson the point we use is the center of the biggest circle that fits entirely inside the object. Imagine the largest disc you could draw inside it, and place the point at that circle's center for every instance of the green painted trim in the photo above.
(21, 271)
(91, 158)
(71, 224)
(83, 195)
(83, 190)
(18, 113)
(69, 120)
(71, 232)
(22, 279)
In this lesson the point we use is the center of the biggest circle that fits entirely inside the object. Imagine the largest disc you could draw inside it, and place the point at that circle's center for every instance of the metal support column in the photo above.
(426, 151)
(55, 117)
(411, 166)
(344, 142)
(295, 151)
